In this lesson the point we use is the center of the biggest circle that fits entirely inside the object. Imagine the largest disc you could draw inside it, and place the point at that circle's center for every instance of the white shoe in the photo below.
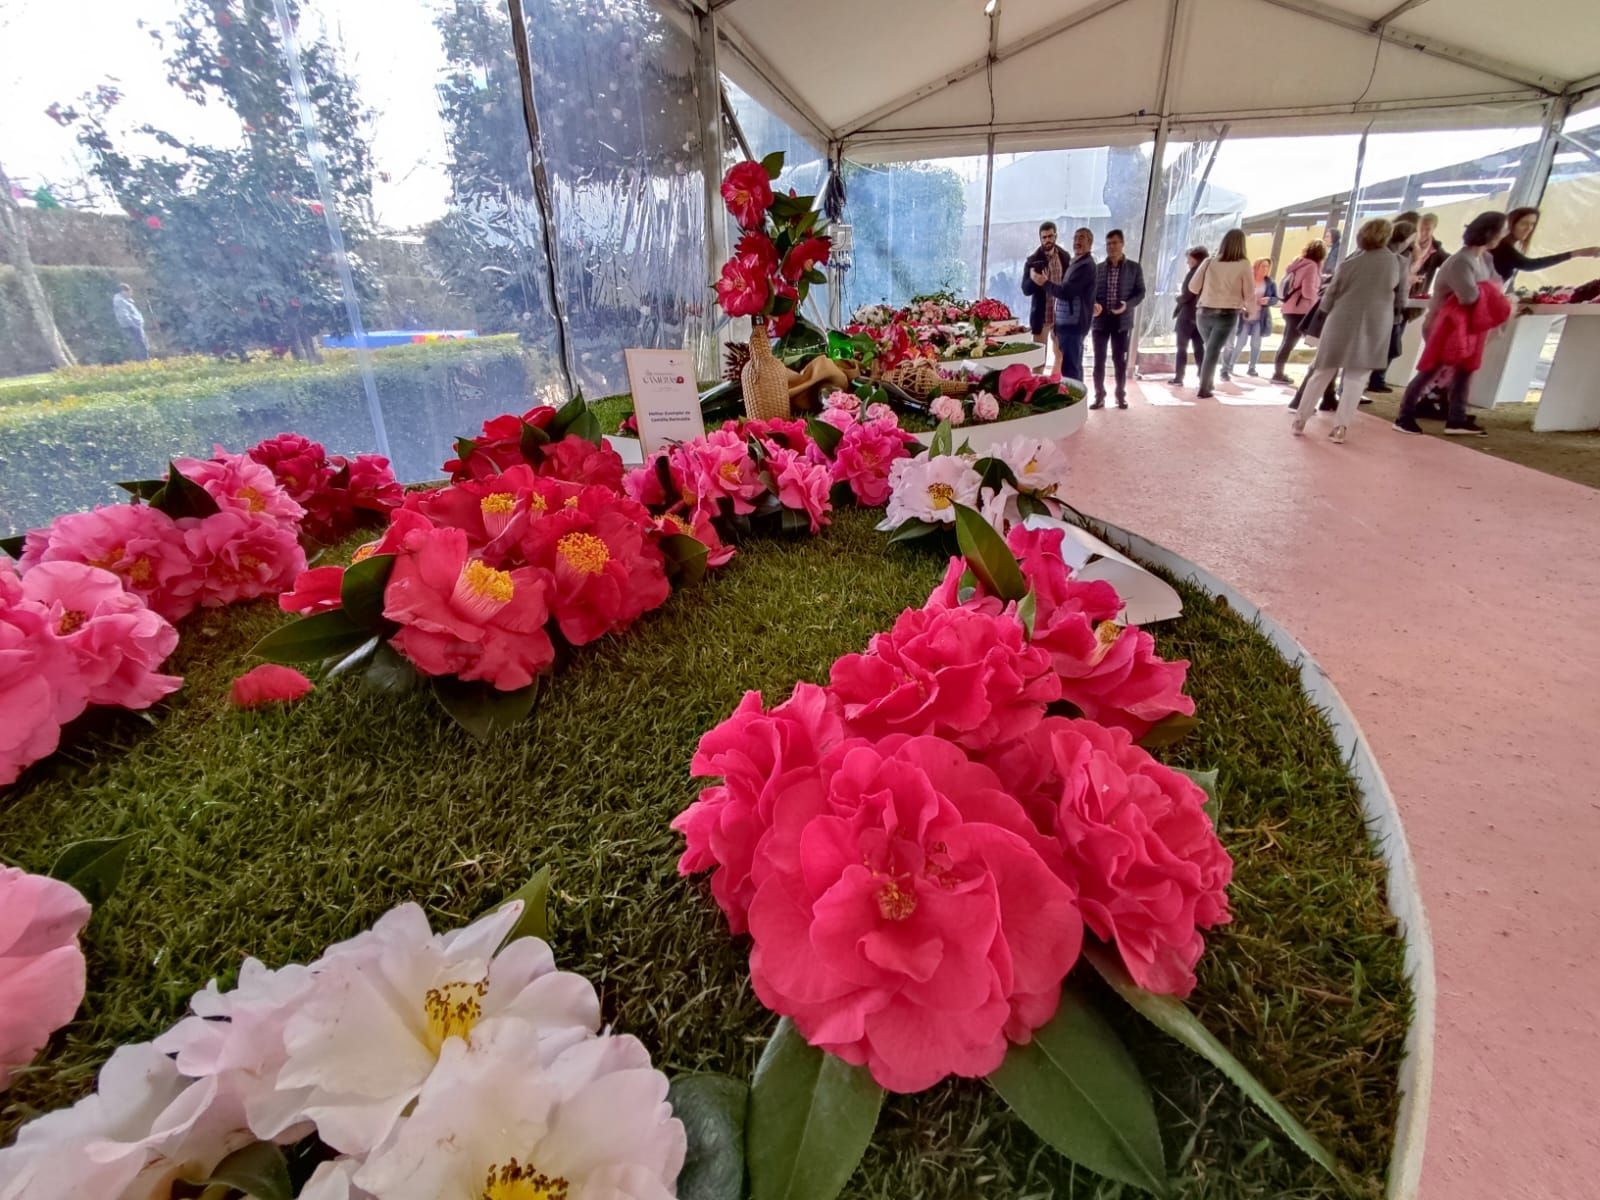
(1298, 425)
(1337, 436)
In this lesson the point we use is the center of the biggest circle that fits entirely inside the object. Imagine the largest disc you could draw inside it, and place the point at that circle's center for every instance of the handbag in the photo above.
(1311, 324)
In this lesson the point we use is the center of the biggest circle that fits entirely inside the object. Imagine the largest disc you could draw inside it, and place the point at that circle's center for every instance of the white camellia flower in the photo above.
(145, 1127)
(386, 1003)
(929, 488)
(1039, 464)
(500, 1120)
(334, 1180)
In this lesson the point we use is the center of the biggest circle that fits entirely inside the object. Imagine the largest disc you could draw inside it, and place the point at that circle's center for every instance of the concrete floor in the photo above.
(1454, 599)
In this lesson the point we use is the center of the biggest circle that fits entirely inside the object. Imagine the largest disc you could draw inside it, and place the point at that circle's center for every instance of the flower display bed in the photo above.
(998, 362)
(276, 833)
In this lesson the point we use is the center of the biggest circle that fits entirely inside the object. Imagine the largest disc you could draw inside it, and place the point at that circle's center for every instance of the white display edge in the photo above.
(998, 362)
(1055, 424)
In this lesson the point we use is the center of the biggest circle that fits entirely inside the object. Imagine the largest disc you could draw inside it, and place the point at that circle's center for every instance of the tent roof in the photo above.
(927, 78)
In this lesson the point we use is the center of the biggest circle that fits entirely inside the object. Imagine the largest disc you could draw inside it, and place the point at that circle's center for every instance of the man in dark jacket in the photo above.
(1074, 304)
(1050, 261)
(1118, 289)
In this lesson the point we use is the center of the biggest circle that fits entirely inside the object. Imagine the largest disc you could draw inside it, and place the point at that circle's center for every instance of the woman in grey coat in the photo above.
(1360, 307)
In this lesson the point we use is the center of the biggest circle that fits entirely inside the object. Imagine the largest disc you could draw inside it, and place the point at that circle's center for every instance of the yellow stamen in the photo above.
(514, 1181)
(729, 471)
(584, 552)
(452, 1010)
(71, 621)
(894, 902)
(364, 551)
(1107, 632)
(500, 503)
(942, 495)
(570, 502)
(109, 560)
(252, 499)
(538, 503)
(482, 580)
(141, 572)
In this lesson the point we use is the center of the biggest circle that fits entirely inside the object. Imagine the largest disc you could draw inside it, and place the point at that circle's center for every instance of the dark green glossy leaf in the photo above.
(566, 415)
(481, 709)
(465, 449)
(811, 1117)
(390, 671)
(1174, 1019)
(943, 441)
(182, 497)
(913, 528)
(994, 472)
(795, 521)
(987, 554)
(532, 441)
(587, 427)
(93, 866)
(258, 1170)
(535, 918)
(712, 1109)
(357, 658)
(1168, 731)
(1078, 1088)
(361, 593)
(1028, 611)
(144, 489)
(772, 164)
(824, 435)
(686, 558)
(13, 545)
(312, 639)
(1029, 505)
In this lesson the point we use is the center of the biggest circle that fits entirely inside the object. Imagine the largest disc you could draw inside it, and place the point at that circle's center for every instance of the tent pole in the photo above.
(1154, 209)
(988, 199)
(1351, 210)
(1534, 176)
(708, 91)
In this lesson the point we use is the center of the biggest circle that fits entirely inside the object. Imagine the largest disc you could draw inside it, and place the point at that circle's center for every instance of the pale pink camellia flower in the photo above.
(757, 754)
(802, 485)
(42, 971)
(930, 488)
(317, 590)
(845, 401)
(948, 408)
(143, 1129)
(985, 407)
(268, 684)
(842, 419)
(1151, 872)
(239, 555)
(499, 1119)
(387, 1004)
(460, 616)
(881, 412)
(954, 673)
(140, 545)
(33, 667)
(1039, 464)
(915, 925)
(113, 641)
(238, 481)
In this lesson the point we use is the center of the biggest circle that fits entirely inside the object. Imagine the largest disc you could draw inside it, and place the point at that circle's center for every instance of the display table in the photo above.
(999, 362)
(1571, 398)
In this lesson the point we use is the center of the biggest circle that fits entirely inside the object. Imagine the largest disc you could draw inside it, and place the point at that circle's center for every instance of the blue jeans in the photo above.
(1216, 327)
(1070, 340)
(1250, 331)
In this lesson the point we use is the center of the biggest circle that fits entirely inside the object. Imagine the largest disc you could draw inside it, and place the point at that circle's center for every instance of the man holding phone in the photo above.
(1074, 303)
(1046, 265)
(1118, 288)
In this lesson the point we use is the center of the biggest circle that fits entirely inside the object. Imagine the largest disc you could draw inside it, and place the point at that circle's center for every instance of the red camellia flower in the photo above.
(460, 616)
(499, 445)
(957, 673)
(748, 193)
(576, 460)
(604, 571)
(742, 290)
(756, 243)
(153, 222)
(1151, 872)
(298, 464)
(781, 323)
(808, 253)
(315, 591)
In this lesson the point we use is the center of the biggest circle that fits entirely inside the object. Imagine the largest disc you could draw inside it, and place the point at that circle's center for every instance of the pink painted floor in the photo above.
(1455, 601)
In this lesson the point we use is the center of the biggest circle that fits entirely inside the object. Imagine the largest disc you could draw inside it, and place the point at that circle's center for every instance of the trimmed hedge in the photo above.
(66, 454)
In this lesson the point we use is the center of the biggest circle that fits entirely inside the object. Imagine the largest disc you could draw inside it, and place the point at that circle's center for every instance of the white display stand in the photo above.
(1403, 368)
(1057, 423)
(1509, 359)
(1571, 398)
(1032, 357)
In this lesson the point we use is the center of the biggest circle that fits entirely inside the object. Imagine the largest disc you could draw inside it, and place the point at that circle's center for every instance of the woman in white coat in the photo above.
(1359, 308)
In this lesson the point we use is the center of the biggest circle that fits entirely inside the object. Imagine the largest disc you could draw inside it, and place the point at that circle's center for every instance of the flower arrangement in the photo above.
(1023, 477)
(401, 1063)
(780, 249)
(42, 970)
(925, 852)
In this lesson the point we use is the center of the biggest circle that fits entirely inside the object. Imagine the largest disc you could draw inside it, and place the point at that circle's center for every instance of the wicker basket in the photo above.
(923, 379)
(765, 379)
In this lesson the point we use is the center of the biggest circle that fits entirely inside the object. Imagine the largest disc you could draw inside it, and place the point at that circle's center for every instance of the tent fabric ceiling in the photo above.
(912, 78)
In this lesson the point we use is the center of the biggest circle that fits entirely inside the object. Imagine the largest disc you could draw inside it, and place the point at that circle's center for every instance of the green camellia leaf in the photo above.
(313, 638)
(259, 1170)
(1168, 731)
(482, 709)
(772, 164)
(1028, 611)
(794, 520)
(913, 528)
(390, 671)
(361, 593)
(686, 558)
(943, 441)
(183, 497)
(566, 415)
(93, 866)
(13, 545)
(1174, 1019)
(465, 449)
(810, 1119)
(994, 472)
(535, 918)
(824, 435)
(987, 554)
(532, 440)
(1029, 505)
(712, 1109)
(1207, 782)
(587, 427)
(144, 489)
(1078, 1088)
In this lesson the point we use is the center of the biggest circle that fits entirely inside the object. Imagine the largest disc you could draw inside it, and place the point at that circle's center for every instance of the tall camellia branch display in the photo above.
(776, 260)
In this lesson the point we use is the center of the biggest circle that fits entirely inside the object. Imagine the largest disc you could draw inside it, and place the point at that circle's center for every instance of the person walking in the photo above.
(1046, 265)
(1118, 289)
(1226, 289)
(1427, 256)
(1360, 308)
(1302, 284)
(1183, 315)
(1511, 255)
(130, 320)
(1074, 310)
(1401, 240)
(1461, 290)
(1258, 327)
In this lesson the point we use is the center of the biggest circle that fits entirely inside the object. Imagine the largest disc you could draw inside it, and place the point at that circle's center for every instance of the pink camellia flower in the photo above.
(882, 413)
(840, 418)
(643, 485)
(718, 467)
(113, 642)
(807, 253)
(239, 555)
(604, 571)
(576, 460)
(985, 407)
(141, 546)
(315, 591)
(955, 673)
(237, 481)
(499, 445)
(33, 668)
(1017, 383)
(298, 464)
(802, 485)
(757, 754)
(460, 616)
(864, 456)
(489, 508)
(948, 408)
(906, 915)
(697, 524)
(268, 684)
(778, 431)
(743, 288)
(41, 965)
(1055, 588)
(748, 193)
(1120, 680)
(847, 401)
(1151, 872)
(372, 486)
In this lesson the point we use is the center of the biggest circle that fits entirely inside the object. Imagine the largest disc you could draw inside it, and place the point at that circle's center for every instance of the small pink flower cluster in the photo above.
(917, 849)
(873, 441)
(249, 547)
(71, 636)
(336, 492)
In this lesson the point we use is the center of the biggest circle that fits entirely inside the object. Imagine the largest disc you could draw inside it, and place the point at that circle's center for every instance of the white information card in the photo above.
(664, 397)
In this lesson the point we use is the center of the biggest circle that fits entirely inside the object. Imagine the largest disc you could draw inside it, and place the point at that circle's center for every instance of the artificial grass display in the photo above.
(275, 833)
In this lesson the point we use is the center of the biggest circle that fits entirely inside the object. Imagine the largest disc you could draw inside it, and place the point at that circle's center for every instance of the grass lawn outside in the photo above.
(275, 833)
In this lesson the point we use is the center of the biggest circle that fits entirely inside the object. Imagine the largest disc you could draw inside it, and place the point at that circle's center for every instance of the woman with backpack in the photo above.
(1302, 284)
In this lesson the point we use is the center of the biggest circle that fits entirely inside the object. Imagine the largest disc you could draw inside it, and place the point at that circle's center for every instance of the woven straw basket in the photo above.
(765, 379)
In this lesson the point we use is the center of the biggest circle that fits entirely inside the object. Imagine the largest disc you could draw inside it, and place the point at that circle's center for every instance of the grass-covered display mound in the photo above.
(273, 834)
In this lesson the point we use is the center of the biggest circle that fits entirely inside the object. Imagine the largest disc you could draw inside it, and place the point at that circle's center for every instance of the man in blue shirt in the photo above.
(1118, 288)
(1074, 297)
